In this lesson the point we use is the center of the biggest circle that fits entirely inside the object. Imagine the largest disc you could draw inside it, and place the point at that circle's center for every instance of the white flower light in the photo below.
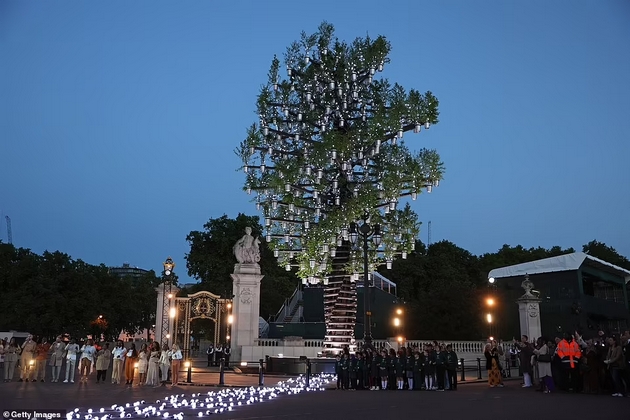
(227, 399)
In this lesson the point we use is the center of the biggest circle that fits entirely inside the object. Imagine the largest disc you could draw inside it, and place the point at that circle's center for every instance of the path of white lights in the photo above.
(178, 406)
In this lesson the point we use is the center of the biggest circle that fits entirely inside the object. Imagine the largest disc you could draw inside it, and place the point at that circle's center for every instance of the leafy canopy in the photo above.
(329, 149)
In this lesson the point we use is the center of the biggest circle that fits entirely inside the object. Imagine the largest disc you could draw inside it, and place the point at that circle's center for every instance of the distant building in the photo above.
(577, 292)
(128, 271)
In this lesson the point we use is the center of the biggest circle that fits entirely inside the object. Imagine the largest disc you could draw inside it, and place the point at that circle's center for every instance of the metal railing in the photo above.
(288, 306)
(381, 282)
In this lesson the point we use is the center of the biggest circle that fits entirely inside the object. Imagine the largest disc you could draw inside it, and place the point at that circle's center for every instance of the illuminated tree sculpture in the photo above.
(329, 151)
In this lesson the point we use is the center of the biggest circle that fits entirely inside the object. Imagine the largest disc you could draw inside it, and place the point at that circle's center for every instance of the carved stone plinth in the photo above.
(529, 312)
(246, 307)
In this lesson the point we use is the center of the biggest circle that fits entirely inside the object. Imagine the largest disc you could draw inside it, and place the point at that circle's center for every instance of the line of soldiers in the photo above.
(432, 368)
(215, 354)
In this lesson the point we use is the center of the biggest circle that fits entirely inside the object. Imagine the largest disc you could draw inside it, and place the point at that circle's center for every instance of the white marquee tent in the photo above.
(567, 262)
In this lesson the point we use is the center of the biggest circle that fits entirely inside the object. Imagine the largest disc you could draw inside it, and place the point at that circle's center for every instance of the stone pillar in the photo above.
(245, 307)
(162, 314)
(157, 331)
(529, 312)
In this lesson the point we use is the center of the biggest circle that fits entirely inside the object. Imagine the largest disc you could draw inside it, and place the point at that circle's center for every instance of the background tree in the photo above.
(607, 253)
(51, 294)
(211, 260)
(329, 151)
(440, 288)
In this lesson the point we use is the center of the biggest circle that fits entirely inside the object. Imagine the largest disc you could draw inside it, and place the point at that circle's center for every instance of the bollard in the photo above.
(261, 378)
(222, 372)
(463, 370)
(308, 373)
(189, 373)
(478, 368)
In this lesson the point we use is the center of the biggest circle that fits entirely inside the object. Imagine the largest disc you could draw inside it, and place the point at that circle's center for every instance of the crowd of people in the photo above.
(432, 368)
(151, 365)
(568, 363)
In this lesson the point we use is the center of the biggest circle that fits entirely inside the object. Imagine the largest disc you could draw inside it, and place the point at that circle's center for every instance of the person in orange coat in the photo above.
(41, 356)
(570, 354)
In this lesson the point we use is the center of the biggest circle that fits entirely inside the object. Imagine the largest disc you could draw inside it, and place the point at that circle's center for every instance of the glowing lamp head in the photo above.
(491, 280)
(396, 322)
(400, 339)
(489, 318)
(230, 319)
(490, 301)
(399, 311)
(169, 265)
(187, 364)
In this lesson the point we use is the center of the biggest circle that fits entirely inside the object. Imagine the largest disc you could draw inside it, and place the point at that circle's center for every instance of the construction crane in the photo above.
(9, 234)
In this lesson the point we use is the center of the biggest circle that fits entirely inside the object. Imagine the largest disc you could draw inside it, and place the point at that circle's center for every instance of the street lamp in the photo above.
(365, 231)
(230, 318)
(168, 312)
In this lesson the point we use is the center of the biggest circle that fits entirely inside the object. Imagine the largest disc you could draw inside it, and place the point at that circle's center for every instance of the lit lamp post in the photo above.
(365, 231)
(168, 312)
(230, 321)
(489, 319)
(490, 303)
(398, 325)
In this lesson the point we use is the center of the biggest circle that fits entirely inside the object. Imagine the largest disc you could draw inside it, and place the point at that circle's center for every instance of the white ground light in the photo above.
(178, 406)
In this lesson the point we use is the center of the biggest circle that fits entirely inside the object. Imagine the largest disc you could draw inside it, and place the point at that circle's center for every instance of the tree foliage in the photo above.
(52, 293)
(328, 150)
(607, 253)
(211, 260)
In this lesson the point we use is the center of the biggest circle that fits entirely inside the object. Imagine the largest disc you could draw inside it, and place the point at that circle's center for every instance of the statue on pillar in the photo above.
(528, 286)
(246, 249)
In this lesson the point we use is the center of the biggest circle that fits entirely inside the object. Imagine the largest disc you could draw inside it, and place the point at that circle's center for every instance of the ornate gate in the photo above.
(200, 305)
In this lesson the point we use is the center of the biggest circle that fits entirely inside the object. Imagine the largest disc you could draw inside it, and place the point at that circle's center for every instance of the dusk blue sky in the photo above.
(118, 119)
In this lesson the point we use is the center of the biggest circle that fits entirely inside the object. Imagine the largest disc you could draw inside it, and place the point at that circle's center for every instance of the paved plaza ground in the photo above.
(471, 401)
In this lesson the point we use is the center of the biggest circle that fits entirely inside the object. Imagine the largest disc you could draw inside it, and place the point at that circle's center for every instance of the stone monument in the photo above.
(529, 311)
(246, 290)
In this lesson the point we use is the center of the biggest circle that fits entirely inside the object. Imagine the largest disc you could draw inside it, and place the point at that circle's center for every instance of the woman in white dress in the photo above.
(153, 371)
(143, 364)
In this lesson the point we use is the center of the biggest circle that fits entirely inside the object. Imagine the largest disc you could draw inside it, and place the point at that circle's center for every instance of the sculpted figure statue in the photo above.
(246, 249)
(527, 285)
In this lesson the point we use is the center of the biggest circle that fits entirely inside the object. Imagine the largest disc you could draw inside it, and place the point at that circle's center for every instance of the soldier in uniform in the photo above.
(27, 355)
(56, 358)
(409, 368)
(451, 367)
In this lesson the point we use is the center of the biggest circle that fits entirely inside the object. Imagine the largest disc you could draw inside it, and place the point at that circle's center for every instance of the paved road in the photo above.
(471, 401)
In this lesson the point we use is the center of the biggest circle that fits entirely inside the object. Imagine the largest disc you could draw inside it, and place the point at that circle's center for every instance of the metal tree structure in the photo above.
(329, 150)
